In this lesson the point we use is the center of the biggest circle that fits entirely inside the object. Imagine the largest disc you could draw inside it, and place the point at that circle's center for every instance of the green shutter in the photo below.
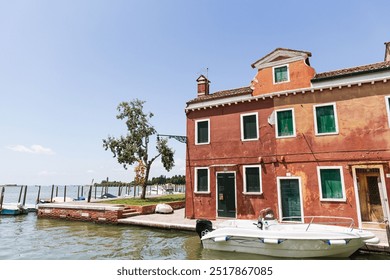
(252, 179)
(203, 132)
(331, 184)
(250, 127)
(202, 180)
(280, 74)
(285, 123)
(326, 122)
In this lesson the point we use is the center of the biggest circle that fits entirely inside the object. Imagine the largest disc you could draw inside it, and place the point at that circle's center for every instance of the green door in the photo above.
(290, 200)
(226, 195)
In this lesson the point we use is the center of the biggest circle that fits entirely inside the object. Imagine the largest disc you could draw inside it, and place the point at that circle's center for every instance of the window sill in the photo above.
(248, 140)
(198, 192)
(287, 136)
(333, 200)
(327, 133)
(199, 144)
(252, 193)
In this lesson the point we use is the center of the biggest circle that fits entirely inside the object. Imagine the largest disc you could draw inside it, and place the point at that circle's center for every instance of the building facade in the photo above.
(300, 142)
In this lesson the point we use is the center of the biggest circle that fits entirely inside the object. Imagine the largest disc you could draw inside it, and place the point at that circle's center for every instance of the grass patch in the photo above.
(147, 201)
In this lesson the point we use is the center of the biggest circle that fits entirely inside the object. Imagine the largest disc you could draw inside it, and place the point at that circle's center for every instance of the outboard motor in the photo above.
(203, 226)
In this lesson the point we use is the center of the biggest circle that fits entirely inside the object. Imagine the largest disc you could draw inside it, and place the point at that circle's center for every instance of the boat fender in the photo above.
(336, 242)
(260, 224)
(374, 240)
(271, 241)
(221, 238)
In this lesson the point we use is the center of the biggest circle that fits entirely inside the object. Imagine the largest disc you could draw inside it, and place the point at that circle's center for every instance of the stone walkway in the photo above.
(176, 220)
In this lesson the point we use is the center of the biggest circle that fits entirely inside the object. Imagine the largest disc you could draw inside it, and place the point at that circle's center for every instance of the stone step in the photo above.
(129, 210)
(130, 214)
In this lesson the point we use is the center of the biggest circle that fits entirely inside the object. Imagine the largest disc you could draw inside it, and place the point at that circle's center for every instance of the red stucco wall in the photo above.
(363, 138)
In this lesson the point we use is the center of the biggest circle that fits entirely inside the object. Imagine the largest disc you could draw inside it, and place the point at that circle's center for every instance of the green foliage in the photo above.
(147, 201)
(134, 147)
(161, 180)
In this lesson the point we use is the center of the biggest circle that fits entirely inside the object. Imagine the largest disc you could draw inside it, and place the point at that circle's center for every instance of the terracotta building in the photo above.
(300, 142)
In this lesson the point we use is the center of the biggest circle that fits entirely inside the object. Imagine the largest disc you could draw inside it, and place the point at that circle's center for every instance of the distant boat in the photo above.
(107, 195)
(13, 209)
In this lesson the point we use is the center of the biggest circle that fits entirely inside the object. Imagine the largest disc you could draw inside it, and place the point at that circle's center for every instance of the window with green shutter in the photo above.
(281, 74)
(285, 123)
(331, 183)
(252, 179)
(202, 180)
(249, 127)
(202, 132)
(326, 121)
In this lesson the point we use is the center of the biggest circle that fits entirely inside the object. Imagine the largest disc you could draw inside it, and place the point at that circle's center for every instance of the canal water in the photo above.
(26, 237)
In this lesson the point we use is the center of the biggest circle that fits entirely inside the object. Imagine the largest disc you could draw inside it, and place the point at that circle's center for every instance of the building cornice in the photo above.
(315, 88)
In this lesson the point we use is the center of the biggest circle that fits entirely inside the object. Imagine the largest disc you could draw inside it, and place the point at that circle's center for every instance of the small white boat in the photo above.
(286, 240)
(13, 209)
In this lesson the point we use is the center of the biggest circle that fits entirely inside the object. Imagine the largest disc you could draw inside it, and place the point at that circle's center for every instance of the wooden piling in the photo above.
(39, 194)
(52, 192)
(89, 194)
(2, 197)
(64, 193)
(20, 194)
(24, 195)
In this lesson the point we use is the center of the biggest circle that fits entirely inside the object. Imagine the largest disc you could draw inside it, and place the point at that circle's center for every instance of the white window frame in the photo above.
(244, 180)
(288, 74)
(196, 180)
(196, 131)
(340, 168)
(387, 100)
(276, 123)
(242, 126)
(335, 117)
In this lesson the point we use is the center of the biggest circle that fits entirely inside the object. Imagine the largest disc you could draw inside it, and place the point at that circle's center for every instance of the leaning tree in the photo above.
(134, 147)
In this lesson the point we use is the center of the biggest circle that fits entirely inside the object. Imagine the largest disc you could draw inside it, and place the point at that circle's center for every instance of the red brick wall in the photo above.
(77, 214)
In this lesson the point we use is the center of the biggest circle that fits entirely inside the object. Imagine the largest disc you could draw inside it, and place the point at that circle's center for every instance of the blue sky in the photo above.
(66, 65)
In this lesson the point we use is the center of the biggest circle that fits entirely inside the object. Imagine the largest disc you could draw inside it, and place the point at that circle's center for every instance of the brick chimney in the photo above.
(203, 85)
(387, 51)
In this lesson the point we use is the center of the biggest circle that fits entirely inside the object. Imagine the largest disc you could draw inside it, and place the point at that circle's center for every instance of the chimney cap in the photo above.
(202, 78)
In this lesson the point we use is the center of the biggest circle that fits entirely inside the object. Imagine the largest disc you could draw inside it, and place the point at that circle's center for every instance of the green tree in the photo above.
(134, 147)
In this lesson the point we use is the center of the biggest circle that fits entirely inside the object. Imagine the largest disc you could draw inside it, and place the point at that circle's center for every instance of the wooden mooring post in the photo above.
(39, 194)
(2, 197)
(64, 193)
(52, 192)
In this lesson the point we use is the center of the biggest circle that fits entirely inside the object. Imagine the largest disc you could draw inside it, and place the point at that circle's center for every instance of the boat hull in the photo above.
(286, 249)
(287, 241)
(12, 212)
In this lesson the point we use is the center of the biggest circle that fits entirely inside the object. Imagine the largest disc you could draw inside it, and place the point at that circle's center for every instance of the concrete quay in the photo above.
(175, 220)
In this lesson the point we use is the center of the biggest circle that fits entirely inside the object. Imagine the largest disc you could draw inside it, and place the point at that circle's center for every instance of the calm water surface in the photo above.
(26, 237)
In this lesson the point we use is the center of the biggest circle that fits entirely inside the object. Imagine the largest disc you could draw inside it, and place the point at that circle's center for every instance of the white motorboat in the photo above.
(286, 240)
